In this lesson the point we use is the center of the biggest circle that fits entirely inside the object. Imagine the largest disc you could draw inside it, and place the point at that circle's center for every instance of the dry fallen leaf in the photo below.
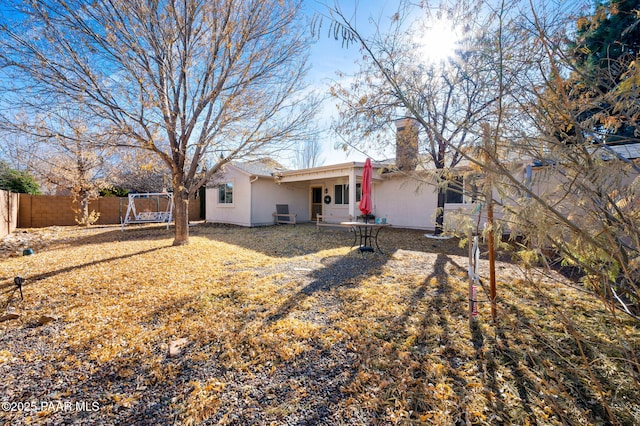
(9, 317)
(45, 319)
(316, 332)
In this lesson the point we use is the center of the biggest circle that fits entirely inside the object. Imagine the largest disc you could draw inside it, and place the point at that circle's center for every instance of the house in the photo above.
(247, 193)
(404, 194)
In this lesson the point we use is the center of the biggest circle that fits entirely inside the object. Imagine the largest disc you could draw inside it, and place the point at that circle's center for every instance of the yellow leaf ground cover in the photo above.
(290, 325)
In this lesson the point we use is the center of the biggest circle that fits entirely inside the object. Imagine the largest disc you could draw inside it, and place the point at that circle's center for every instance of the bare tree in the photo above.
(447, 98)
(18, 149)
(139, 171)
(61, 150)
(74, 166)
(582, 201)
(189, 81)
(309, 154)
(585, 206)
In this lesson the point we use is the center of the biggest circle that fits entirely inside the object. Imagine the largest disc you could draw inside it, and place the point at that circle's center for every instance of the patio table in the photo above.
(367, 234)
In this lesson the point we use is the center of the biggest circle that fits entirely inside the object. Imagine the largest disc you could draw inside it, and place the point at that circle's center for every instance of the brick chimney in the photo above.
(406, 144)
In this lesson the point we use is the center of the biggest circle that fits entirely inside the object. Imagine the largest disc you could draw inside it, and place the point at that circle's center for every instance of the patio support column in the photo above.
(353, 205)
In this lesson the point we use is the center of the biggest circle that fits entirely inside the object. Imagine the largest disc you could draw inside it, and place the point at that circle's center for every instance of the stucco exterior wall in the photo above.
(236, 213)
(266, 193)
(405, 202)
(9, 203)
(254, 200)
(333, 212)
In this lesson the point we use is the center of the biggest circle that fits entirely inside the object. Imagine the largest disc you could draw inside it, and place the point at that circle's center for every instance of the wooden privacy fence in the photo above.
(38, 211)
(9, 203)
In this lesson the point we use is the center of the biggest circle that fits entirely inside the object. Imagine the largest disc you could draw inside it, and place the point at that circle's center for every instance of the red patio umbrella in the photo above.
(365, 205)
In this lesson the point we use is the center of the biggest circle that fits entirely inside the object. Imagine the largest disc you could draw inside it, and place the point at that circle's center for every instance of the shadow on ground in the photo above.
(340, 271)
(307, 238)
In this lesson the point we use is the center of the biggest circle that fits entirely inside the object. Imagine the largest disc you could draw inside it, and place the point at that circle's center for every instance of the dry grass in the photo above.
(286, 325)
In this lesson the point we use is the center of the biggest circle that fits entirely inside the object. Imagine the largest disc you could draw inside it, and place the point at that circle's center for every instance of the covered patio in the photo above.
(333, 191)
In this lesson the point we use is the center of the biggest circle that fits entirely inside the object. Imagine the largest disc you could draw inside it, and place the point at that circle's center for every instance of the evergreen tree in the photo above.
(17, 181)
(605, 81)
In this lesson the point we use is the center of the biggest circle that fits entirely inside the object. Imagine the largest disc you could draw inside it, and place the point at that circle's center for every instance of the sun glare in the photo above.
(438, 40)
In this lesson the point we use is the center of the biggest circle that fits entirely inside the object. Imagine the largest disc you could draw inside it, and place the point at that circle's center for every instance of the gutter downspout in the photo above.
(251, 180)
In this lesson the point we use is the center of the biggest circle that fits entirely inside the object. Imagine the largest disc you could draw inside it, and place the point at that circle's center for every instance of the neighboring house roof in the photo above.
(630, 151)
(264, 167)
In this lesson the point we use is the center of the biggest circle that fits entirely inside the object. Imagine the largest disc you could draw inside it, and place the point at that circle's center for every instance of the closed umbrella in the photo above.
(365, 205)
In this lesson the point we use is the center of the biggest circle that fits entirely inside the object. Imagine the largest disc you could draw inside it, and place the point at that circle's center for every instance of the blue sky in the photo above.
(328, 56)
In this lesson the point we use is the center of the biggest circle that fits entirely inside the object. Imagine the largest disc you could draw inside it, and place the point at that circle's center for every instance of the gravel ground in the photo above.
(284, 325)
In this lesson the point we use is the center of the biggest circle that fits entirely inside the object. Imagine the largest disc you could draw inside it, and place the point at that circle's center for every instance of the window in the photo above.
(341, 194)
(358, 192)
(454, 191)
(225, 193)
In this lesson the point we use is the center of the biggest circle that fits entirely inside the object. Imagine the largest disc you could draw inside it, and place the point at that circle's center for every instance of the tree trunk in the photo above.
(82, 215)
(442, 190)
(181, 218)
(442, 193)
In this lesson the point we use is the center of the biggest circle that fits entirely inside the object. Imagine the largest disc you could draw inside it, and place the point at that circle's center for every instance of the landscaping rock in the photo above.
(175, 347)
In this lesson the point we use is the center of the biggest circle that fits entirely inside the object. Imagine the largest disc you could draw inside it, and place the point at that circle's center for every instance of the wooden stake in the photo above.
(492, 259)
(471, 283)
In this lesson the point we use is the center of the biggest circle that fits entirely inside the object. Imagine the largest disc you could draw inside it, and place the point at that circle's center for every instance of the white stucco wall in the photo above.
(237, 213)
(267, 193)
(405, 202)
(333, 212)
(254, 200)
